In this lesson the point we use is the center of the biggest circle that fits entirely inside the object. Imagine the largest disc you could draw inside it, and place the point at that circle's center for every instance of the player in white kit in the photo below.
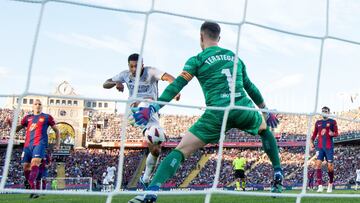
(105, 182)
(148, 89)
(357, 178)
(110, 176)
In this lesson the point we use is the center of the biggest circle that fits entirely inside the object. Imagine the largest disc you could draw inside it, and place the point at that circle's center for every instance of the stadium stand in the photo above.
(104, 127)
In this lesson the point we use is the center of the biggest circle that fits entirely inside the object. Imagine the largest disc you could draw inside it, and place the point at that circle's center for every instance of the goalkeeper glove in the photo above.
(142, 115)
(271, 119)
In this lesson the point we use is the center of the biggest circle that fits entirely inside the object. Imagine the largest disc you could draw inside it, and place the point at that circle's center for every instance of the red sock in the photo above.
(319, 176)
(44, 184)
(33, 174)
(27, 174)
(38, 184)
(331, 176)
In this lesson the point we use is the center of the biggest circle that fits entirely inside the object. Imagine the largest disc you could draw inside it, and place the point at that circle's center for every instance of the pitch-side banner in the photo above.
(242, 144)
(143, 144)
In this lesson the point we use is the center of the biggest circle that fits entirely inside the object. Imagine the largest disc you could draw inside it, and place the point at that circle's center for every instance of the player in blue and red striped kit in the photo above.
(325, 130)
(36, 142)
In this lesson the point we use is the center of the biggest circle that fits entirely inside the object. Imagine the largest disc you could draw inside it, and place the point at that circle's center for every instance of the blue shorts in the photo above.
(328, 154)
(31, 152)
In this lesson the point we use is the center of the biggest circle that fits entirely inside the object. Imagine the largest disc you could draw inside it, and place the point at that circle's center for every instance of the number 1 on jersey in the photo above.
(228, 77)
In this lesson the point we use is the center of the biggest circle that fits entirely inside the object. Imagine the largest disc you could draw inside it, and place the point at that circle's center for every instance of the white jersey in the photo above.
(111, 171)
(148, 83)
(358, 175)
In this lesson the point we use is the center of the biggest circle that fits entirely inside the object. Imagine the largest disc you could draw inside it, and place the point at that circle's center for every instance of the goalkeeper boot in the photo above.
(277, 182)
(147, 198)
(150, 198)
(137, 199)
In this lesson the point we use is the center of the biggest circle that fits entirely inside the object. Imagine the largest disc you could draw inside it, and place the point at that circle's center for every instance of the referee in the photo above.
(239, 164)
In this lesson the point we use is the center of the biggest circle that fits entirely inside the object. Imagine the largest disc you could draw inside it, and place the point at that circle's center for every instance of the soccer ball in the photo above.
(154, 135)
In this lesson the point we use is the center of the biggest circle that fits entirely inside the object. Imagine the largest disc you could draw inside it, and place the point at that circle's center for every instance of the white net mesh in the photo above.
(240, 21)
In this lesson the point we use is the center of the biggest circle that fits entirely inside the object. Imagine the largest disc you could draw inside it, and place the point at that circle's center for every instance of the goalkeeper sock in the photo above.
(237, 185)
(150, 165)
(167, 168)
(271, 148)
(243, 184)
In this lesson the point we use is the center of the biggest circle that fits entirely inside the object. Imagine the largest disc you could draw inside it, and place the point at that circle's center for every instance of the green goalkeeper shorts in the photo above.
(208, 127)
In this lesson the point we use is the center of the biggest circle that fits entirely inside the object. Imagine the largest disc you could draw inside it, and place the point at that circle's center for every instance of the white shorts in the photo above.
(105, 181)
(110, 178)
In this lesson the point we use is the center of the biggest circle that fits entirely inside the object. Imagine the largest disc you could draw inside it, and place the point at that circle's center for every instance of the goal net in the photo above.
(307, 47)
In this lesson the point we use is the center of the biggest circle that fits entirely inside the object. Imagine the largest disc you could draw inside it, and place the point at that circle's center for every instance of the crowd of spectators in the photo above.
(259, 169)
(103, 127)
(207, 174)
(94, 162)
(347, 158)
(15, 175)
(6, 117)
(291, 128)
(106, 127)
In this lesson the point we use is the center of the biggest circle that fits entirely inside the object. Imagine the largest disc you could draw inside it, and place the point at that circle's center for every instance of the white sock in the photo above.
(150, 165)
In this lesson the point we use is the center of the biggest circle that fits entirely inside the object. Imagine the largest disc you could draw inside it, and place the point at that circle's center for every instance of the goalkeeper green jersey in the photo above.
(214, 68)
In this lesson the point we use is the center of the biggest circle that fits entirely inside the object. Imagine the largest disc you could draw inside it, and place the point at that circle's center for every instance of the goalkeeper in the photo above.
(213, 67)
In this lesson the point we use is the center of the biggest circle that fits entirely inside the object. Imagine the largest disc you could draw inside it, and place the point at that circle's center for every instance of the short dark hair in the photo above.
(325, 107)
(211, 29)
(133, 57)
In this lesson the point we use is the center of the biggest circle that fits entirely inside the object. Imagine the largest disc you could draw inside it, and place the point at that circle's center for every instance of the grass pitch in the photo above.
(23, 198)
